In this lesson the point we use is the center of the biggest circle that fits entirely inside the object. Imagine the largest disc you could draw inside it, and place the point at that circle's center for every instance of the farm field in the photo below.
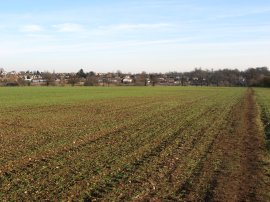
(132, 144)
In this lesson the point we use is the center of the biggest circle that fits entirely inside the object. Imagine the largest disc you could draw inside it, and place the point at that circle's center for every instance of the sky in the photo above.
(133, 35)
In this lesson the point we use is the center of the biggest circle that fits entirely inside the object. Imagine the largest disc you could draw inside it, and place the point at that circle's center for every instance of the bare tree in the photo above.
(22, 82)
(1, 70)
(153, 79)
(141, 79)
(91, 80)
(62, 81)
(73, 79)
(49, 78)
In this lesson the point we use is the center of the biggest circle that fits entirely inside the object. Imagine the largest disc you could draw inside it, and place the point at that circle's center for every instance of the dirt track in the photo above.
(240, 177)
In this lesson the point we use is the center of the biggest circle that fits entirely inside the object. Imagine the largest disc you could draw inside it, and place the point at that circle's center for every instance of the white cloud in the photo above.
(139, 26)
(245, 12)
(111, 29)
(69, 27)
(31, 28)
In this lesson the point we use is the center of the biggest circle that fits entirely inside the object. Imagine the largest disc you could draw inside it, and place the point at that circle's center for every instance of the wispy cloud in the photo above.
(132, 29)
(180, 45)
(69, 27)
(40, 37)
(245, 12)
(32, 28)
(127, 27)
(137, 26)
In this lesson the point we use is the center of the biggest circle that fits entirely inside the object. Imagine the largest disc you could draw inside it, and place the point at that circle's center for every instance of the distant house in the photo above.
(4, 73)
(161, 80)
(127, 80)
(13, 73)
(28, 80)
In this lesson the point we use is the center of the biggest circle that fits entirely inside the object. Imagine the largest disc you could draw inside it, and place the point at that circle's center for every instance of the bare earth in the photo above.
(242, 151)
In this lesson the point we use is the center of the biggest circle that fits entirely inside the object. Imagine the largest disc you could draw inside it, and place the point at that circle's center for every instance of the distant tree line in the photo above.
(259, 76)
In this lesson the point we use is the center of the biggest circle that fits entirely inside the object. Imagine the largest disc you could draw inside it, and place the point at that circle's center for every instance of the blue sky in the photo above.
(133, 35)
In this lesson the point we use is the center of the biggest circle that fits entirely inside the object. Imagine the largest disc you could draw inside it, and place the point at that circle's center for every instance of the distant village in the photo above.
(259, 76)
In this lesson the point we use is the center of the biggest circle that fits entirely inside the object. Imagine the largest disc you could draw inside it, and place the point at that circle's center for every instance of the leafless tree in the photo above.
(91, 80)
(73, 79)
(49, 78)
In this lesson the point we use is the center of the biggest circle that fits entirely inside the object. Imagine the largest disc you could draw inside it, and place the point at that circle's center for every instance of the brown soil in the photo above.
(223, 158)
(233, 169)
(242, 176)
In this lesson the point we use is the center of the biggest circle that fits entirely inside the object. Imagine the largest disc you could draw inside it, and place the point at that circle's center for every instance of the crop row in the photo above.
(263, 96)
(123, 148)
